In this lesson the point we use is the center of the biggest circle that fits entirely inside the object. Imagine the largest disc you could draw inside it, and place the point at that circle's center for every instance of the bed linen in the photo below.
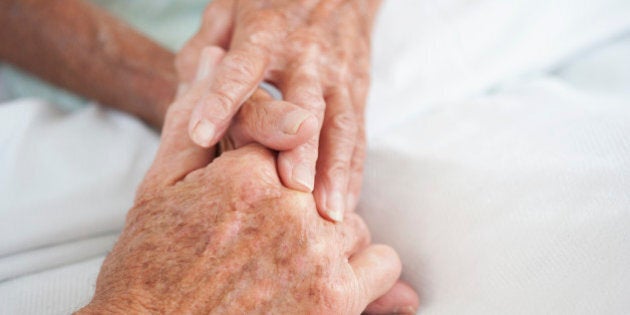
(498, 165)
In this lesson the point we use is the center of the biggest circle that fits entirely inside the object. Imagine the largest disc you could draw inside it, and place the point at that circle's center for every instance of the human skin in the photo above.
(317, 52)
(80, 47)
(229, 238)
(276, 124)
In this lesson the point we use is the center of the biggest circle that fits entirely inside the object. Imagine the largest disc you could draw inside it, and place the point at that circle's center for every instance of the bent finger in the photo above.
(236, 78)
(303, 88)
(337, 142)
(356, 168)
(277, 125)
(400, 299)
(358, 92)
(377, 269)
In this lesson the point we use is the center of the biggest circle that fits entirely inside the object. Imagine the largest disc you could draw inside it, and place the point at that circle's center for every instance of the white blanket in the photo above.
(499, 164)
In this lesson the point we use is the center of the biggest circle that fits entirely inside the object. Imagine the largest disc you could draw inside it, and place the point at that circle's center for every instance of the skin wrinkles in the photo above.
(179, 251)
(183, 230)
(188, 245)
(326, 40)
(224, 236)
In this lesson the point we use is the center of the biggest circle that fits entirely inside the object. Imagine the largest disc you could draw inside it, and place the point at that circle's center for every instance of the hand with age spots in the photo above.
(229, 238)
(317, 53)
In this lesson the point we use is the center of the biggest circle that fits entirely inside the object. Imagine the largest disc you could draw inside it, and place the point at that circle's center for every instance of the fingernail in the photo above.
(335, 206)
(407, 310)
(304, 177)
(203, 69)
(293, 120)
(203, 132)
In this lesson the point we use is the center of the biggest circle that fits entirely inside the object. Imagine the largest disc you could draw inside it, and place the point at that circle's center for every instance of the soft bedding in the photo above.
(498, 167)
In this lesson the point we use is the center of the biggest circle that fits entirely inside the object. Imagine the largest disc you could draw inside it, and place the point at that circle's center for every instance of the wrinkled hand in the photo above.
(278, 125)
(317, 53)
(228, 238)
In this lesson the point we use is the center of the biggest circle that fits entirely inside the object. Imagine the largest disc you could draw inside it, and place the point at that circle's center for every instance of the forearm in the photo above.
(82, 48)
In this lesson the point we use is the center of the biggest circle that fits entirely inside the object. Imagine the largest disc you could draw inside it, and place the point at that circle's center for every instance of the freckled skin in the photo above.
(212, 244)
(223, 236)
(318, 53)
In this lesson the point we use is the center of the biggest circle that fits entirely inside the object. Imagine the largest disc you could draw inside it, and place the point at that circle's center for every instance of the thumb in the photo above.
(275, 124)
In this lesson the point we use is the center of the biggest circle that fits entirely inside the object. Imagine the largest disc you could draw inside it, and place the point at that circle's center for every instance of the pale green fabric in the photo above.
(169, 22)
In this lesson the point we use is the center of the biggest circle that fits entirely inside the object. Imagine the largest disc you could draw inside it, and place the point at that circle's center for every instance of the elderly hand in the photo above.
(278, 125)
(317, 53)
(228, 238)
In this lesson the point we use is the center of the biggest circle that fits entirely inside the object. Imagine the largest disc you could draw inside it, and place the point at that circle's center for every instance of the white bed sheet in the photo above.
(499, 165)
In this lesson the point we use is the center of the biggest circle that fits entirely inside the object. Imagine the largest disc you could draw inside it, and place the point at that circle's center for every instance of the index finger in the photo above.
(237, 76)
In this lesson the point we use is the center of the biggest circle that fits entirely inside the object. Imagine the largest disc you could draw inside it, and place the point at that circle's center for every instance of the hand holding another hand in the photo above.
(317, 53)
(228, 238)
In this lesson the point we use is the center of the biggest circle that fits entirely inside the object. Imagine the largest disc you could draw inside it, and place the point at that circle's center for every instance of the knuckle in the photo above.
(345, 121)
(337, 168)
(306, 41)
(306, 69)
(263, 26)
(313, 101)
(334, 295)
(251, 192)
(268, 19)
(219, 105)
(307, 96)
(242, 67)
